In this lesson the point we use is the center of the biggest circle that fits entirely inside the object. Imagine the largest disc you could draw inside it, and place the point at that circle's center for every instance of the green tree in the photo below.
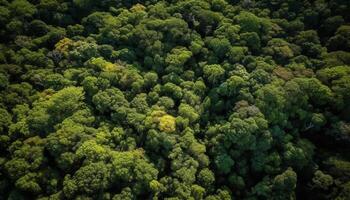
(321, 180)
(109, 100)
(341, 39)
(90, 179)
(22, 8)
(248, 22)
(213, 73)
(284, 184)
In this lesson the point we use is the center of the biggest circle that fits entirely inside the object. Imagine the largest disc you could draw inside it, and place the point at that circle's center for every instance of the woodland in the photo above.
(175, 99)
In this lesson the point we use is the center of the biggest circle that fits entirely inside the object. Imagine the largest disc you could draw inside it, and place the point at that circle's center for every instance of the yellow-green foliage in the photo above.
(64, 45)
(104, 65)
(167, 123)
(161, 120)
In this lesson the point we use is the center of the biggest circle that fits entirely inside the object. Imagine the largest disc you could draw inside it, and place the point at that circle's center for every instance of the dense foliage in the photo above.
(174, 99)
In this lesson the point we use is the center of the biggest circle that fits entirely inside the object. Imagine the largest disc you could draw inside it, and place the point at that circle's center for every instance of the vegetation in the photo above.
(174, 99)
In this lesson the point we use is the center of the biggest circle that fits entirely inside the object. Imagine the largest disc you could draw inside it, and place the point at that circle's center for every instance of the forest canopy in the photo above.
(174, 99)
